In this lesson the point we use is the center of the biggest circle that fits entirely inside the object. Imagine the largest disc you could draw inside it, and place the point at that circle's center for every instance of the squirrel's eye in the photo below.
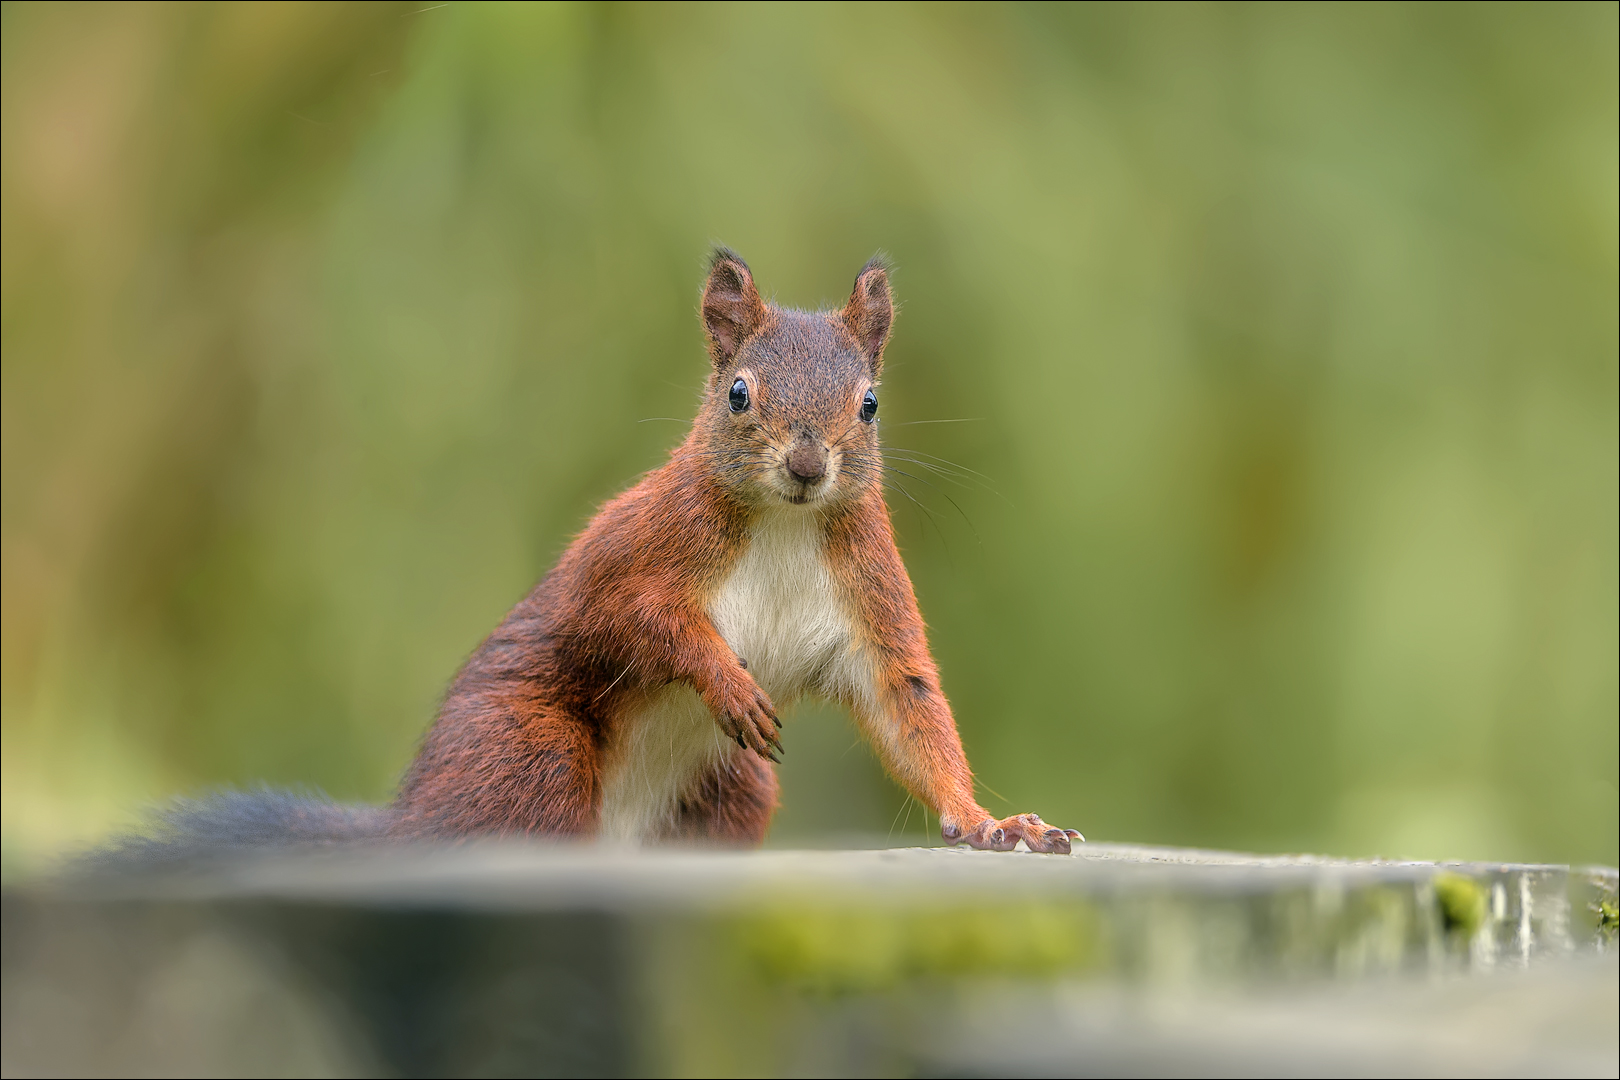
(868, 406)
(739, 396)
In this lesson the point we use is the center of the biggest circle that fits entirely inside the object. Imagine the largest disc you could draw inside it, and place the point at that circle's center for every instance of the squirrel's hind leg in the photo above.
(731, 804)
(502, 765)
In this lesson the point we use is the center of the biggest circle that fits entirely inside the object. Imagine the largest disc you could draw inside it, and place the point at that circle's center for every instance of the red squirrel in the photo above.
(633, 694)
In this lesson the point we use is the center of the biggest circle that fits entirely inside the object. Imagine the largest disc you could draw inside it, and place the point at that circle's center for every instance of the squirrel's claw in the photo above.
(1004, 835)
(745, 713)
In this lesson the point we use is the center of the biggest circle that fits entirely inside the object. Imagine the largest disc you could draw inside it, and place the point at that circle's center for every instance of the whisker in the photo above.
(980, 781)
(758, 456)
(928, 516)
(895, 822)
(957, 474)
(944, 495)
(936, 457)
(967, 484)
(943, 474)
(852, 425)
(612, 684)
(960, 420)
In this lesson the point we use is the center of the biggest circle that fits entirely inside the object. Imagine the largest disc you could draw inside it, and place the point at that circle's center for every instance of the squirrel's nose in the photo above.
(807, 462)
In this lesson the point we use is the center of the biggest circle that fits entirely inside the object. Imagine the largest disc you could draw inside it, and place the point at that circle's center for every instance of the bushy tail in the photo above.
(231, 822)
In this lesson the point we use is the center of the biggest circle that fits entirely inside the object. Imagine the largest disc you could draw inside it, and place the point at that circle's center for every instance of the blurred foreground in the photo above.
(528, 961)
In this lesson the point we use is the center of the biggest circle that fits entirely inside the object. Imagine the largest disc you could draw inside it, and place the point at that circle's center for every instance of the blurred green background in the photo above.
(1284, 335)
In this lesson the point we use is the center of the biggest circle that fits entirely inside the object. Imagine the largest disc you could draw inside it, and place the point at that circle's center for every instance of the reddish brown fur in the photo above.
(521, 742)
(732, 804)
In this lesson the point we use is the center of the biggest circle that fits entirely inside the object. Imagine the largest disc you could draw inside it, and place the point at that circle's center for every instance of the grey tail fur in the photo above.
(228, 823)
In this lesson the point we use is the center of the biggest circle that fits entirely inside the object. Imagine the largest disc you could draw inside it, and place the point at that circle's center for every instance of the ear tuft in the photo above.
(732, 309)
(870, 311)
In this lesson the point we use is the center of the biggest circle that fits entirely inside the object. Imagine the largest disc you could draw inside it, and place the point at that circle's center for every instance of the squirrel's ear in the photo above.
(870, 311)
(732, 309)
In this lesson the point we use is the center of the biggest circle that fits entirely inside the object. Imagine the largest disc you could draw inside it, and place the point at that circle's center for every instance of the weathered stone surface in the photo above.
(508, 960)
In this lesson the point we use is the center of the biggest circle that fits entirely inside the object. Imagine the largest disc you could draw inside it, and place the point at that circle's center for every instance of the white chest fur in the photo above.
(780, 610)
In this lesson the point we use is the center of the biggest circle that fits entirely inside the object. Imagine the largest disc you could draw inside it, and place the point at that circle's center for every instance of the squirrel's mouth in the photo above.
(799, 493)
(806, 472)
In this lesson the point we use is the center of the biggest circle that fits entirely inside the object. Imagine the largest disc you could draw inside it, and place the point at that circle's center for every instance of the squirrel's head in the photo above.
(791, 412)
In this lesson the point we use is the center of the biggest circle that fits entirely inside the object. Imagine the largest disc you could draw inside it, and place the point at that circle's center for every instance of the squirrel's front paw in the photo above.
(746, 714)
(1003, 835)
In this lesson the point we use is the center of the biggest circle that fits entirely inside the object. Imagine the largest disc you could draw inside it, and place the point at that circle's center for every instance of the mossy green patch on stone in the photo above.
(1463, 902)
(832, 950)
(1608, 917)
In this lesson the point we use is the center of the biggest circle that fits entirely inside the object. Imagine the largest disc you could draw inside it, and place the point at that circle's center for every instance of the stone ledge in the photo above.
(523, 959)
